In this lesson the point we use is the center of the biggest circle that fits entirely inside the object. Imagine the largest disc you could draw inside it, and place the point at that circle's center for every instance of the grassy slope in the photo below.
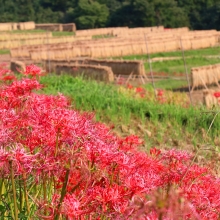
(169, 125)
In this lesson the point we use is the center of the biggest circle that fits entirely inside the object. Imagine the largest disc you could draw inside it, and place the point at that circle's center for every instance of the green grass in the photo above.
(212, 51)
(102, 36)
(172, 66)
(4, 51)
(62, 33)
(168, 84)
(36, 31)
(113, 107)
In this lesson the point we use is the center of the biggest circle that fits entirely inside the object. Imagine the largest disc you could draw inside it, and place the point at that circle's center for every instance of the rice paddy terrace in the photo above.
(139, 87)
(118, 54)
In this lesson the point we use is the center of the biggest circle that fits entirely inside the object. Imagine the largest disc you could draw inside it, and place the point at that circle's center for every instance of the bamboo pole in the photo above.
(149, 62)
(48, 52)
(186, 71)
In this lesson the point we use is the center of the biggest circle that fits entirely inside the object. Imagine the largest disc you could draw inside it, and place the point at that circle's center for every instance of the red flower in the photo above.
(217, 94)
(160, 92)
(32, 70)
(129, 86)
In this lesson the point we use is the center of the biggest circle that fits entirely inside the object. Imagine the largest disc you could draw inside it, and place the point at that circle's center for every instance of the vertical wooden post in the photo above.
(149, 62)
(186, 71)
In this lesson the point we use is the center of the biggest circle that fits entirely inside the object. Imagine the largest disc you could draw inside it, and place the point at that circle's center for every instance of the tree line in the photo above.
(196, 14)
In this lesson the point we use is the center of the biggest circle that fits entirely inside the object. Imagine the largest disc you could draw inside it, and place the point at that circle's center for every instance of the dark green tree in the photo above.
(138, 13)
(89, 14)
(197, 11)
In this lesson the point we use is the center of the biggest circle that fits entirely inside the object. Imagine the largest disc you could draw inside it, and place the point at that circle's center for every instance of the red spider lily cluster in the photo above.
(160, 96)
(74, 168)
(5, 73)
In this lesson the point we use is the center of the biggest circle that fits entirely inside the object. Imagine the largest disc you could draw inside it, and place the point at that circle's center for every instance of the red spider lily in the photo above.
(129, 86)
(217, 94)
(22, 161)
(6, 75)
(140, 90)
(160, 92)
(107, 175)
(9, 78)
(155, 152)
(32, 70)
(174, 154)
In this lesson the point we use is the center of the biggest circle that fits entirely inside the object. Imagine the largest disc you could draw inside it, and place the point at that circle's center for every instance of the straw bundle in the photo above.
(217, 71)
(51, 64)
(14, 26)
(88, 71)
(69, 27)
(17, 65)
(205, 75)
(93, 32)
(85, 51)
(76, 52)
(117, 31)
(195, 80)
(215, 74)
(30, 25)
(160, 28)
(209, 99)
(186, 44)
(21, 26)
(208, 75)
(18, 36)
(13, 52)
(50, 27)
(34, 56)
(120, 67)
(5, 27)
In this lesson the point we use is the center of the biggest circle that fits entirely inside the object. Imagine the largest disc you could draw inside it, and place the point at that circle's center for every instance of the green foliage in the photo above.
(169, 84)
(90, 14)
(197, 14)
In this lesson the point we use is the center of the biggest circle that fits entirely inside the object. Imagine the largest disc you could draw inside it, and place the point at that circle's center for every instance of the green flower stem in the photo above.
(25, 194)
(63, 193)
(14, 191)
